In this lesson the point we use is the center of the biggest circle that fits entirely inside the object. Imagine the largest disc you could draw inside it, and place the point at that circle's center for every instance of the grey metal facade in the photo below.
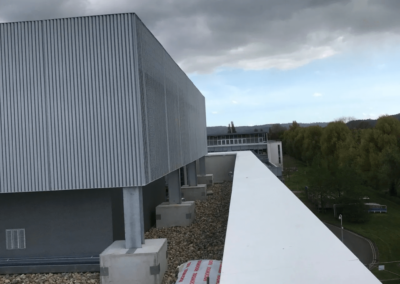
(92, 102)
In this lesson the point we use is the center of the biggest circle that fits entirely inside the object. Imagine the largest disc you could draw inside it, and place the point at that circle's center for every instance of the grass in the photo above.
(382, 229)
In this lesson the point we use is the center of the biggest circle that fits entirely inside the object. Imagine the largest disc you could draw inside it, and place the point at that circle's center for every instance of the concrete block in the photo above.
(145, 265)
(171, 215)
(193, 193)
(206, 179)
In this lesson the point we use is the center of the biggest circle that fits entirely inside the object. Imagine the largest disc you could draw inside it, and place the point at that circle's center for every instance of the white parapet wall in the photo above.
(272, 237)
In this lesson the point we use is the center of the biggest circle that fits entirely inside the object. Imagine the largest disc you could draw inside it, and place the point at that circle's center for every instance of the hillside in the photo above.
(358, 123)
(366, 123)
(218, 130)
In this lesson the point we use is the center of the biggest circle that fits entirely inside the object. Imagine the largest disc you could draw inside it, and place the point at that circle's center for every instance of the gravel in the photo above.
(90, 278)
(204, 239)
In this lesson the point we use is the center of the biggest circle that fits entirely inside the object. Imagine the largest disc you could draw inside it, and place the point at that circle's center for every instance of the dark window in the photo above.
(279, 153)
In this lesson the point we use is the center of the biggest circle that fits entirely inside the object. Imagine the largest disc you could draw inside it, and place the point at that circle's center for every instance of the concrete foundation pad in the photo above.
(171, 215)
(145, 265)
(207, 179)
(193, 193)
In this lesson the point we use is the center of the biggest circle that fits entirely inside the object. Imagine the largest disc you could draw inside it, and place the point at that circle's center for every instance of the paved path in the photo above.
(358, 245)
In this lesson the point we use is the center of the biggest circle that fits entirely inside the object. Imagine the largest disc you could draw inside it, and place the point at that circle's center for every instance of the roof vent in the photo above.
(15, 239)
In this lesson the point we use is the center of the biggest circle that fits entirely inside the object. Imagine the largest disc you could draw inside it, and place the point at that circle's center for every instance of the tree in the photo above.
(391, 168)
(311, 143)
(318, 183)
(333, 138)
(375, 144)
(233, 129)
(229, 128)
(276, 131)
(289, 139)
(363, 125)
(353, 210)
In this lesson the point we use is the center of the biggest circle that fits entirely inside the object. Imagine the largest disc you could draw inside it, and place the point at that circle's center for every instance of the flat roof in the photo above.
(272, 237)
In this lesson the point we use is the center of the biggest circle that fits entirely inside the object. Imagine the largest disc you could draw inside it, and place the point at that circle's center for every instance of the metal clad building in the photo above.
(92, 102)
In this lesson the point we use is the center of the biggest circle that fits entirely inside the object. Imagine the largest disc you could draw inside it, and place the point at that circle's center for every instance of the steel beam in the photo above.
(174, 187)
(192, 174)
(133, 214)
(202, 166)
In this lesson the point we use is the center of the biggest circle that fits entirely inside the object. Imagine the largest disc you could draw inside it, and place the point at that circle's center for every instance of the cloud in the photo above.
(235, 102)
(317, 95)
(214, 112)
(203, 36)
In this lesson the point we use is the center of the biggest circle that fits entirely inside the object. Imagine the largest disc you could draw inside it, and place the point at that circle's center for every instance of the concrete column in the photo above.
(174, 187)
(185, 176)
(202, 166)
(133, 214)
(192, 174)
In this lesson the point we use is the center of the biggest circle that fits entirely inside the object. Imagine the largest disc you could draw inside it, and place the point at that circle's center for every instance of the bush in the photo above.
(354, 211)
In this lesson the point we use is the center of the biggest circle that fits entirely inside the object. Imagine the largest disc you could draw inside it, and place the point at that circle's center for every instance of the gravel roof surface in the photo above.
(204, 239)
(90, 278)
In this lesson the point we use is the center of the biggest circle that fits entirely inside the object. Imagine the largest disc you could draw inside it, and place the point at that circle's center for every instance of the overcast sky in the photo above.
(263, 61)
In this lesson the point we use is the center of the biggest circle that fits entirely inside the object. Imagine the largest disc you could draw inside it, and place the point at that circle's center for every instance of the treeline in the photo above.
(343, 161)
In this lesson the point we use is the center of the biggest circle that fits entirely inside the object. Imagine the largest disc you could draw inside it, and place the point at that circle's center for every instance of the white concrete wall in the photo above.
(272, 237)
(220, 166)
(273, 153)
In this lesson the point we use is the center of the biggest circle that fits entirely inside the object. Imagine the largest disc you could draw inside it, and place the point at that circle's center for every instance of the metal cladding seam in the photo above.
(92, 102)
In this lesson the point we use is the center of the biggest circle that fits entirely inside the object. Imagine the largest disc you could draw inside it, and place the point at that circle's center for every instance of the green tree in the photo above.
(289, 137)
(276, 131)
(391, 168)
(333, 137)
(353, 210)
(375, 144)
(318, 178)
(311, 143)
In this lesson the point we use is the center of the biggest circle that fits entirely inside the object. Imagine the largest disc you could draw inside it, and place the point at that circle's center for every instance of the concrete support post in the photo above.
(133, 214)
(174, 187)
(202, 166)
(192, 174)
(185, 176)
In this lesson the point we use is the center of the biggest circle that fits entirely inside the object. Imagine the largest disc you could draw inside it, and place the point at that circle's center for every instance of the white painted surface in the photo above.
(125, 267)
(175, 214)
(273, 238)
(193, 193)
(273, 153)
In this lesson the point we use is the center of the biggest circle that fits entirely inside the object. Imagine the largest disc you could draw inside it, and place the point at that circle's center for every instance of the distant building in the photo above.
(268, 151)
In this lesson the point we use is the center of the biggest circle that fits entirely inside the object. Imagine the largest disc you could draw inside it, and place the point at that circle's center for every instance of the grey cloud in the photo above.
(23, 10)
(204, 35)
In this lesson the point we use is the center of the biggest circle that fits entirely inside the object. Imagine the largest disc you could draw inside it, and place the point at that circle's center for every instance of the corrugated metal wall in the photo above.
(174, 108)
(92, 102)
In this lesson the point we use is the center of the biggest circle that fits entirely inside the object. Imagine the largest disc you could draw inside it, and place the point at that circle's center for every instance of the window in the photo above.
(15, 239)
(279, 153)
